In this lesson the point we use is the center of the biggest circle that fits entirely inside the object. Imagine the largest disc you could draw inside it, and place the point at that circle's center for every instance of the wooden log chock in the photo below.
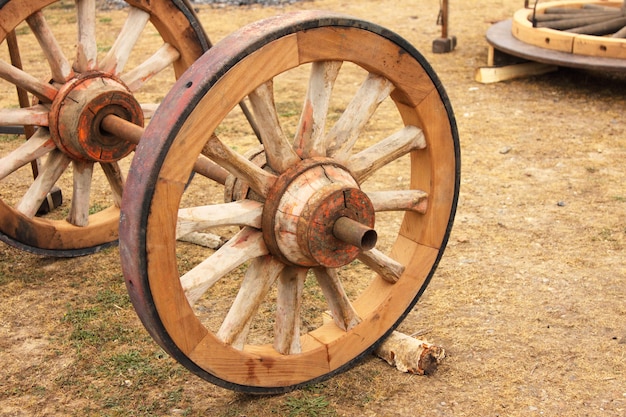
(409, 354)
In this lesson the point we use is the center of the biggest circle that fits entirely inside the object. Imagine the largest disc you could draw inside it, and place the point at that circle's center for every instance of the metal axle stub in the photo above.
(78, 110)
(302, 211)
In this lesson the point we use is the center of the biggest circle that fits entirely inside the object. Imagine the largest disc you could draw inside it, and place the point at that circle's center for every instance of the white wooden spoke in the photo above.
(59, 65)
(149, 109)
(236, 213)
(288, 304)
(34, 116)
(361, 108)
(344, 315)
(388, 268)
(259, 278)
(118, 55)
(310, 140)
(258, 179)
(247, 244)
(165, 56)
(278, 150)
(55, 165)
(43, 91)
(37, 146)
(87, 49)
(79, 211)
(116, 180)
(368, 161)
(399, 200)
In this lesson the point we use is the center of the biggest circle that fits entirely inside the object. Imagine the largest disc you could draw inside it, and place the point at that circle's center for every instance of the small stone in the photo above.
(561, 203)
(505, 150)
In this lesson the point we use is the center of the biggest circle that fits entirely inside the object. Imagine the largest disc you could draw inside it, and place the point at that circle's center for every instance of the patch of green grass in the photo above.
(309, 405)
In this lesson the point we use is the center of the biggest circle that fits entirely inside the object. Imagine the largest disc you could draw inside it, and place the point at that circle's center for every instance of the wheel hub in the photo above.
(77, 112)
(302, 212)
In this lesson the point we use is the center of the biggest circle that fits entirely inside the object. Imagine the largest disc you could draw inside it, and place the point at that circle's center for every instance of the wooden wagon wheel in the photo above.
(306, 208)
(69, 98)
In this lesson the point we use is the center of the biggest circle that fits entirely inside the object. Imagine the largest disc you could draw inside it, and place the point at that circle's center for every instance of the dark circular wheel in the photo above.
(53, 198)
(333, 227)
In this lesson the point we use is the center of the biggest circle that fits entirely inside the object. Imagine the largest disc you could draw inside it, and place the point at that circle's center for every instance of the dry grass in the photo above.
(528, 300)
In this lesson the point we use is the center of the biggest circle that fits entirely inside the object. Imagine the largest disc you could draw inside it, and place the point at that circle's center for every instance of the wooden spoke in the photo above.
(59, 65)
(278, 150)
(55, 165)
(115, 177)
(258, 179)
(400, 200)
(388, 268)
(344, 315)
(37, 146)
(362, 107)
(245, 245)
(43, 91)
(149, 109)
(368, 161)
(79, 212)
(288, 304)
(209, 169)
(165, 56)
(87, 49)
(34, 116)
(236, 213)
(118, 55)
(310, 140)
(259, 278)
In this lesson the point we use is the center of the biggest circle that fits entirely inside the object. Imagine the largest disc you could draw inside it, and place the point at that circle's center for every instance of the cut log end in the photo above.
(410, 355)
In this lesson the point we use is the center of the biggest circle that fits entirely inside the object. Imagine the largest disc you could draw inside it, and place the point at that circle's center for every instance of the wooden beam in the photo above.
(487, 75)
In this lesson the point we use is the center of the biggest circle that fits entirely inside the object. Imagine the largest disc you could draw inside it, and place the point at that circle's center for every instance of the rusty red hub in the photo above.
(77, 112)
(303, 207)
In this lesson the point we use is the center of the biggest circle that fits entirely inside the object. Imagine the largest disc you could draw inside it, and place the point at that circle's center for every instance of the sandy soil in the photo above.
(528, 300)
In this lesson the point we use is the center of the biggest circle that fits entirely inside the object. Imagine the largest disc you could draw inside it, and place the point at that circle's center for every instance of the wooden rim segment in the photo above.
(303, 171)
(96, 84)
(568, 42)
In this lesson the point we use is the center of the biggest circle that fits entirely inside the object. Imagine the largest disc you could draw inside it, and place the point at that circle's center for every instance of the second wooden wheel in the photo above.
(359, 149)
(67, 83)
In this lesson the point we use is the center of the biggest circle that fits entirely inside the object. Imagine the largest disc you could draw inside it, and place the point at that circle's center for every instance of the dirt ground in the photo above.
(528, 300)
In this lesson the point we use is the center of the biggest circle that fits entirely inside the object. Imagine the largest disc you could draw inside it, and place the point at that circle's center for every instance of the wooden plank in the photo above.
(487, 75)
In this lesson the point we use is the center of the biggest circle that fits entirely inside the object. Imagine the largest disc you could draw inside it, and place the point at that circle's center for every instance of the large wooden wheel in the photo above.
(580, 27)
(66, 88)
(359, 148)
